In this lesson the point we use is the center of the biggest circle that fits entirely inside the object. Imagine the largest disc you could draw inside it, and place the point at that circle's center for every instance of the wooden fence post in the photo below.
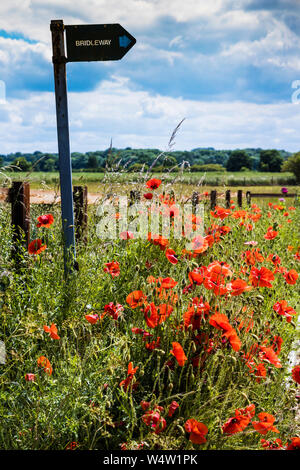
(80, 212)
(135, 196)
(213, 199)
(195, 201)
(240, 197)
(227, 198)
(19, 197)
(248, 197)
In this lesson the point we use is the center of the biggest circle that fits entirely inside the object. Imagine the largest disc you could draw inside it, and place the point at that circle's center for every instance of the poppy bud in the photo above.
(170, 386)
(193, 347)
(180, 428)
(142, 372)
(160, 352)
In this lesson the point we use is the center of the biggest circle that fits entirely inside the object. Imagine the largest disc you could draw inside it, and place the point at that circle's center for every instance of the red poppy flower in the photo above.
(115, 311)
(233, 339)
(238, 286)
(155, 420)
(220, 213)
(112, 268)
(178, 353)
(171, 256)
(153, 345)
(295, 444)
(145, 404)
(158, 240)
(195, 313)
(172, 408)
(273, 258)
(148, 196)
(199, 245)
(135, 299)
(220, 321)
(154, 183)
(265, 423)
(271, 234)
(197, 275)
(261, 277)
(296, 374)
(197, 431)
(45, 363)
(36, 247)
(45, 220)
(240, 420)
(283, 309)
(168, 283)
(291, 276)
(126, 235)
(215, 277)
(272, 445)
(157, 314)
(140, 331)
(30, 377)
(252, 256)
(92, 318)
(130, 374)
(269, 355)
(72, 445)
(260, 372)
(52, 330)
(240, 214)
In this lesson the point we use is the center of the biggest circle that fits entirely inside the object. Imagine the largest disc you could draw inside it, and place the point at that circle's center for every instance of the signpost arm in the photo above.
(65, 167)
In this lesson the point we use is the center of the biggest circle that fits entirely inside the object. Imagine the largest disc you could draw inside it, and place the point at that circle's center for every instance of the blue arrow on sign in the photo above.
(124, 41)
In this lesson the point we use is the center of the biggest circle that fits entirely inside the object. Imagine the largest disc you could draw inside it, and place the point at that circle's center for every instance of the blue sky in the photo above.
(226, 66)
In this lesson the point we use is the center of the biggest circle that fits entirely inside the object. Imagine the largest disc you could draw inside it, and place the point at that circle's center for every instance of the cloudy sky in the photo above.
(229, 67)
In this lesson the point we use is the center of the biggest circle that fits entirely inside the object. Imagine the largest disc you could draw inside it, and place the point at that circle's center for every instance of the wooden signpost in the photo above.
(84, 43)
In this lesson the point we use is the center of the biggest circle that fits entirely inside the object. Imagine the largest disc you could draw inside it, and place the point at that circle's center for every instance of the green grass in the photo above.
(94, 181)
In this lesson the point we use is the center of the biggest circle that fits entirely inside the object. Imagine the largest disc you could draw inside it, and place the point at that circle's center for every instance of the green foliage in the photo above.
(270, 160)
(92, 162)
(22, 164)
(200, 156)
(209, 167)
(238, 159)
(137, 167)
(293, 165)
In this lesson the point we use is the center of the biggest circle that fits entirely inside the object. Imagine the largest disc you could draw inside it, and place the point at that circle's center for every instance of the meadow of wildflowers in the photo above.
(150, 345)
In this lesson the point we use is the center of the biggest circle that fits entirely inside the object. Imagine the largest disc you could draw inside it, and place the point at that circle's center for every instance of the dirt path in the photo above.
(40, 196)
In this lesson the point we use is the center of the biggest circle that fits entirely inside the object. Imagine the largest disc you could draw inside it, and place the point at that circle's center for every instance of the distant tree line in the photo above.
(128, 159)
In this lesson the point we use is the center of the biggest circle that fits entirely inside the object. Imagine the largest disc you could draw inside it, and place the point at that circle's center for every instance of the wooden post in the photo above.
(213, 199)
(248, 197)
(240, 197)
(19, 196)
(135, 196)
(195, 201)
(227, 198)
(80, 209)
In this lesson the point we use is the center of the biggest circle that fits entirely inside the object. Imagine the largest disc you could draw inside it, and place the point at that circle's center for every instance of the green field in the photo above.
(93, 180)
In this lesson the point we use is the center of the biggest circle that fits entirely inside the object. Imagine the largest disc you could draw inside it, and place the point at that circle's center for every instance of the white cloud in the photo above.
(138, 119)
(32, 17)
(279, 46)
